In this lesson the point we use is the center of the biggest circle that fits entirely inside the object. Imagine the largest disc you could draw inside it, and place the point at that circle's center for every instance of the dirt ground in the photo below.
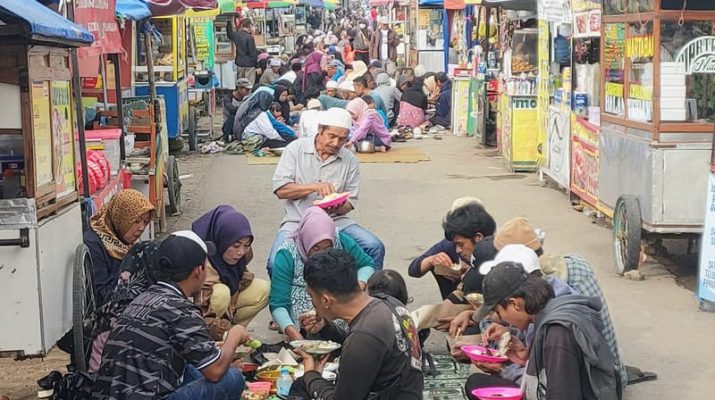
(658, 324)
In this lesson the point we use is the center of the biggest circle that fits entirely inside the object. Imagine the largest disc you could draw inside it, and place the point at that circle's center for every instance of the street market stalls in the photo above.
(656, 121)
(429, 20)
(45, 265)
(397, 13)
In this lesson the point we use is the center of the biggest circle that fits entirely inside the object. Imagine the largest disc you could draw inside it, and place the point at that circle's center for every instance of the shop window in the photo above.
(640, 48)
(689, 4)
(618, 7)
(685, 97)
(614, 63)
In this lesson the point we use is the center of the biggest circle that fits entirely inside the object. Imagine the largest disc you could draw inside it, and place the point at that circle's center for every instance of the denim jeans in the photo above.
(367, 241)
(195, 386)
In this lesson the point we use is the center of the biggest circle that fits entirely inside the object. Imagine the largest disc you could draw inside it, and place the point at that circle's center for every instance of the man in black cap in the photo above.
(568, 357)
(160, 347)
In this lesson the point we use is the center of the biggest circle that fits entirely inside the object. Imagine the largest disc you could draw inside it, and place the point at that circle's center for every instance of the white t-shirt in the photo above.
(383, 46)
(309, 120)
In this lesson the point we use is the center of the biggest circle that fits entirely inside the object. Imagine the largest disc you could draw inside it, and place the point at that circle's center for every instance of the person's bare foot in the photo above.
(381, 149)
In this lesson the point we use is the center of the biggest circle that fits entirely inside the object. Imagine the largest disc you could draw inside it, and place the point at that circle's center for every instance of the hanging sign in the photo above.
(98, 16)
(640, 46)
(555, 10)
(42, 134)
(698, 56)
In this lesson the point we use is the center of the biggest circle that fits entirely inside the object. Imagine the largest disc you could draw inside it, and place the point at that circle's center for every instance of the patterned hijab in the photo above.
(116, 217)
(315, 226)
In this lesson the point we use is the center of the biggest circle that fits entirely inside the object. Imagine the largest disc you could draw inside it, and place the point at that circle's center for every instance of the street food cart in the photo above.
(169, 55)
(428, 42)
(44, 273)
(656, 132)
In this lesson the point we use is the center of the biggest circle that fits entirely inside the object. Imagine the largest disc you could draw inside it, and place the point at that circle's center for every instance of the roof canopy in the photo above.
(39, 23)
(163, 8)
(135, 10)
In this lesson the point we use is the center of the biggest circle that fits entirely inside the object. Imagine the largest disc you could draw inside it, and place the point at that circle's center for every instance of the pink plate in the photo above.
(340, 199)
(497, 393)
(483, 354)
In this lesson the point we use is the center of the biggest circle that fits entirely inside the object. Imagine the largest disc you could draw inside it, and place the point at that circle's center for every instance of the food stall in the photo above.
(429, 20)
(656, 120)
(170, 72)
(45, 266)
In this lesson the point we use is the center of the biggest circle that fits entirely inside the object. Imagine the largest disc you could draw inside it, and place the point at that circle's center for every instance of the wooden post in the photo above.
(76, 90)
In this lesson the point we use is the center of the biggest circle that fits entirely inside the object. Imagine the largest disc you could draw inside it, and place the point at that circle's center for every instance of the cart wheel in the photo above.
(173, 186)
(193, 137)
(627, 233)
(176, 145)
(83, 305)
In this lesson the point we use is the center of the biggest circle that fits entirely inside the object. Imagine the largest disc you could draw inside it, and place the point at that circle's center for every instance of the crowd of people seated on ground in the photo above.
(172, 312)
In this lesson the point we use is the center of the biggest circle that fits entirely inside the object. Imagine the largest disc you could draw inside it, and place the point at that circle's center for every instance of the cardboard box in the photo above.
(674, 68)
(672, 103)
(668, 80)
(667, 92)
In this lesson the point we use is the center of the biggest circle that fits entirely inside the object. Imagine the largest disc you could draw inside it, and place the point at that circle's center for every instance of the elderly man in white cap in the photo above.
(331, 88)
(347, 90)
(271, 73)
(383, 44)
(313, 168)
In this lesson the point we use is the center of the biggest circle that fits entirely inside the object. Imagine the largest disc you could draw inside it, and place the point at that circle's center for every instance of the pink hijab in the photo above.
(358, 108)
(315, 226)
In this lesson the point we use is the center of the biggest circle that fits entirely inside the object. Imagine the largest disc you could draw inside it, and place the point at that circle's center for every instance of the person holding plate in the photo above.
(289, 298)
(312, 169)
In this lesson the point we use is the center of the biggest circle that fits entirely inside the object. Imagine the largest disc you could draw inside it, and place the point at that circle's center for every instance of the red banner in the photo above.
(98, 16)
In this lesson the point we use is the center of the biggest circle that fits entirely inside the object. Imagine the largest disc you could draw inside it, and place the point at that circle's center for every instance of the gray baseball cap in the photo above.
(244, 83)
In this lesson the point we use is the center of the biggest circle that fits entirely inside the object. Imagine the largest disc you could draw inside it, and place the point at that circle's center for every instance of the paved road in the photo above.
(658, 325)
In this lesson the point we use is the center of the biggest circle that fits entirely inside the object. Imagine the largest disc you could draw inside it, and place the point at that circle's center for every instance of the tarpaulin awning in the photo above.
(135, 10)
(331, 4)
(100, 20)
(227, 6)
(432, 3)
(271, 4)
(375, 3)
(163, 8)
(454, 4)
(312, 3)
(40, 23)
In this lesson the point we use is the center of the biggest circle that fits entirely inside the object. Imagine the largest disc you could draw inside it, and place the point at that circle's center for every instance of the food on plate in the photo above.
(315, 347)
(503, 346)
(332, 200)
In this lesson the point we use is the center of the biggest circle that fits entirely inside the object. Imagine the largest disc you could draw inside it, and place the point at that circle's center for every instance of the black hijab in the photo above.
(285, 106)
(250, 109)
(414, 94)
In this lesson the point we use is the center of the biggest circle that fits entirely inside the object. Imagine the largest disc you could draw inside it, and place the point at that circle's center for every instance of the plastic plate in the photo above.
(483, 354)
(332, 202)
(315, 347)
(497, 393)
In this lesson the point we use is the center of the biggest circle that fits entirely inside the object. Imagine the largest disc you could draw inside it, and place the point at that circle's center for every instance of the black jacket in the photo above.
(246, 54)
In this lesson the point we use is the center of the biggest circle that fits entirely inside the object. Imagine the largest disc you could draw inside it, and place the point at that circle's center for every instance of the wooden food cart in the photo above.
(654, 145)
(45, 266)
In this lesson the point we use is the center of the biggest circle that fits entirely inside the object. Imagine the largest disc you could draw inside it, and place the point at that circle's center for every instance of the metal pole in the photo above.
(102, 64)
(76, 90)
(120, 109)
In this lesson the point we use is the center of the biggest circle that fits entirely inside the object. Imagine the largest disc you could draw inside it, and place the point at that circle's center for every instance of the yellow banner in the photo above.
(640, 92)
(640, 47)
(614, 89)
(42, 143)
(62, 129)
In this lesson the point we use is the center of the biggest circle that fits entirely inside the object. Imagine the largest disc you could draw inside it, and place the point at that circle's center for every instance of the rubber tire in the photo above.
(173, 186)
(193, 136)
(627, 233)
(82, 290)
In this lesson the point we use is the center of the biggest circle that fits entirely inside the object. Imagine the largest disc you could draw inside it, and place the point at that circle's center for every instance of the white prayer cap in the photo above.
(336, 117)
(517, 253)
(347, 86)
(331, 84)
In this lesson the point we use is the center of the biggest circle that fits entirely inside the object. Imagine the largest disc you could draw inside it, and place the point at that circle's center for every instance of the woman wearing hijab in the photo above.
(112, 233)
(368, 126)
(280, 96)
(135, 277)
(289, 297)
(413, 105)
(313, 74)
(230, 290)
(255, 125)
(388, 93)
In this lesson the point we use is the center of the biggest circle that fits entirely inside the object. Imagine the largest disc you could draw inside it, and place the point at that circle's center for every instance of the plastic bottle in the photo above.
(283, 384)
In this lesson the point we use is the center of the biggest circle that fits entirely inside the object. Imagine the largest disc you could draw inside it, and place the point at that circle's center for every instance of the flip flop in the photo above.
(635, 375)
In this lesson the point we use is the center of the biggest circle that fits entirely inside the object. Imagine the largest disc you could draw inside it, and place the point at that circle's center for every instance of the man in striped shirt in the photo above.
(160, 347)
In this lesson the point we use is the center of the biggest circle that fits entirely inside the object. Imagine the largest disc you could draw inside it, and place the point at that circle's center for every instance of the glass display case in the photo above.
(524, 51)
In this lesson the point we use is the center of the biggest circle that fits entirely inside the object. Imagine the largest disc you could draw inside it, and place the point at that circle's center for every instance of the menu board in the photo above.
(62, 137)
(42, 135)
(706, 270)
(614, 49)
(203, 42)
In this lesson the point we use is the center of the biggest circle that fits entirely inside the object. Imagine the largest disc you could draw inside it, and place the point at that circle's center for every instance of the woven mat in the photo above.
(394, 155)
(449, 382)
